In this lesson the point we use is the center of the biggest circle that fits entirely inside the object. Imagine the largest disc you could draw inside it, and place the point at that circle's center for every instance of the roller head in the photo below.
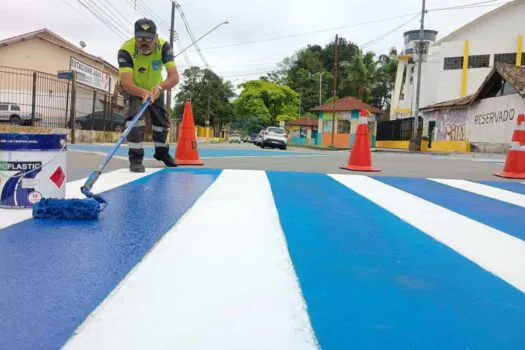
(67, 209)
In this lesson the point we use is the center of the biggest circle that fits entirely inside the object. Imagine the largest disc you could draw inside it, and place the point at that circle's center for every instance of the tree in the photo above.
(385, 80)
(205, 88)
(266, 101)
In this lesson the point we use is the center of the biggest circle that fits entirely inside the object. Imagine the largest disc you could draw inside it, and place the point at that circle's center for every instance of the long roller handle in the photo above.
(95, 175)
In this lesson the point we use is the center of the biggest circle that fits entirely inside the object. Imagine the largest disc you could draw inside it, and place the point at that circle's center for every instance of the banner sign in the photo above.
(493, 119)
(90, 76)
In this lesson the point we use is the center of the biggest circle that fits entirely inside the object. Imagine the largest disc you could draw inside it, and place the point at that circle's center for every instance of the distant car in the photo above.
(257, 140)
(235, 138)
(11, 113)
(274, 137)
(97, 121)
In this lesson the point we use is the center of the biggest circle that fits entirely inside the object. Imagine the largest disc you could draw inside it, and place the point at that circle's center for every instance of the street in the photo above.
(475, 167)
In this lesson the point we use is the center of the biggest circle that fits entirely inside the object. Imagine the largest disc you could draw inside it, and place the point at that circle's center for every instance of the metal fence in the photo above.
(397, 130)
(40, 99)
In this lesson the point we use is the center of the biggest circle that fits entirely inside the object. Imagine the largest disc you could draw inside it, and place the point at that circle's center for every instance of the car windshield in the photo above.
(276, 130)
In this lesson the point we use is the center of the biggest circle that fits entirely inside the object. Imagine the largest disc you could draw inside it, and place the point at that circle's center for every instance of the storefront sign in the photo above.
(90, 76)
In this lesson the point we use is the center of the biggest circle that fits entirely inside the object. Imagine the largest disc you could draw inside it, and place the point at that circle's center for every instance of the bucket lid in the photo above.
(32, 142)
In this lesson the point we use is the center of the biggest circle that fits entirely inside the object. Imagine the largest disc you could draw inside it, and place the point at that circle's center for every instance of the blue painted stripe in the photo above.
(497, 214)
(516, 187)
(371, 281)
(54, 273)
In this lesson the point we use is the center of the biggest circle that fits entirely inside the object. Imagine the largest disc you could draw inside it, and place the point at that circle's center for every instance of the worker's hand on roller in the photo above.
(155, 93)
(145, 95)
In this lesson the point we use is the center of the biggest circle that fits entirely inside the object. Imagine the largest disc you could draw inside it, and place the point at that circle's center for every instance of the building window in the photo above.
(453, 63)
(401, 96)
(327, 126)
(343, 126)
(479, 61)
(509, 58)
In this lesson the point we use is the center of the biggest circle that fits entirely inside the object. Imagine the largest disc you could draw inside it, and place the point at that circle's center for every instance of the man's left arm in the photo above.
(169, 62)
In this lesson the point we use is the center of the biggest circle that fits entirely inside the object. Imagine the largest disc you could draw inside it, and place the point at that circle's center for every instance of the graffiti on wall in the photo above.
(451, 124)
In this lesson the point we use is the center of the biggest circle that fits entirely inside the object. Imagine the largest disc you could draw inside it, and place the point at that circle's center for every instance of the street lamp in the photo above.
(193, 43)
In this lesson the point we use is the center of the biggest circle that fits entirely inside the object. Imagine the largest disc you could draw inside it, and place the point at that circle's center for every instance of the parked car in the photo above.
(11, 113)
(235, 138)
(97, 121)
(258, 139)
(274, 137)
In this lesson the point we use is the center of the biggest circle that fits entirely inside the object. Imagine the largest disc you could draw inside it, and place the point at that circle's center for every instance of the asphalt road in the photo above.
(476, 167)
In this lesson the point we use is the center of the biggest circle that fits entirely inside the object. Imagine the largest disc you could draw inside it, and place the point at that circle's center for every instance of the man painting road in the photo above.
(140, 65)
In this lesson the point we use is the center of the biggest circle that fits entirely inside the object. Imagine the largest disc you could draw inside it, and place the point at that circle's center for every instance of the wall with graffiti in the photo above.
(450, 124)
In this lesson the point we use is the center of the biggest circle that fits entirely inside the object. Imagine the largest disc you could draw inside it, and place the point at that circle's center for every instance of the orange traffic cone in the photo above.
(187, 153)
(361, 155)
(515, 164)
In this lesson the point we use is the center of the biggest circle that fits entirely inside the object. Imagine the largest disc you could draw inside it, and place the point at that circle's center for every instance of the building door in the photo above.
(431, 128)
(313, 138)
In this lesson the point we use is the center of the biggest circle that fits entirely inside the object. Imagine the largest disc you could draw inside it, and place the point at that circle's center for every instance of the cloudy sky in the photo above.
(243, 49)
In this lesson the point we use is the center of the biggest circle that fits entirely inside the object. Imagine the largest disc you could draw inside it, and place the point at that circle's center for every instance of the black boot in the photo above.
(166, 158)
(136, 168)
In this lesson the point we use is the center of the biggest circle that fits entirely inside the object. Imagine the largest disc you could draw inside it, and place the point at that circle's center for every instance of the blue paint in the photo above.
(355, 114)
(55, 273)
(516, 187)
(499, 215)
(203, 152)
(371, 281)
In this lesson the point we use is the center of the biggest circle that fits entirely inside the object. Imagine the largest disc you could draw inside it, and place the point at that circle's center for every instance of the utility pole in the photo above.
(208, 118)
(335, 86)
(415, 142)
(320, 87)
(172, 38)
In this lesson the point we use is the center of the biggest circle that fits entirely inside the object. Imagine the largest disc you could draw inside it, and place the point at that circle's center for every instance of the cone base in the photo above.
(360, 168)
(189, 162)
(511, 175)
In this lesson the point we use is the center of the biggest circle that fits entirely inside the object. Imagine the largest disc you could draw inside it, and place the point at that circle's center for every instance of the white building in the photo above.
(458, 63)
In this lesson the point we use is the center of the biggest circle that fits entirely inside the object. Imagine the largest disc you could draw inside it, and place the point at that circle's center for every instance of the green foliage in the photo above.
(205, 88)
(265, 101)
(286, 118)
(310, 73)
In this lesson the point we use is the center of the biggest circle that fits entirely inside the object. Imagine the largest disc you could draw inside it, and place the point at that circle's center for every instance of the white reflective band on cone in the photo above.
(363, 120)
(134, 145)
(158, 128)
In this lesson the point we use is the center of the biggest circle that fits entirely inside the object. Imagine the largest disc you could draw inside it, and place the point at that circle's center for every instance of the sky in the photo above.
(227, 49)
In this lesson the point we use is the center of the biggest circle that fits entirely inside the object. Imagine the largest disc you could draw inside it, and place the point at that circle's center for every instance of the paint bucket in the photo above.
(32, 166)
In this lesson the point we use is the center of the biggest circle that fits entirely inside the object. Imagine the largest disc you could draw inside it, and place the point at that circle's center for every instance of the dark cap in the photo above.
(145, 28)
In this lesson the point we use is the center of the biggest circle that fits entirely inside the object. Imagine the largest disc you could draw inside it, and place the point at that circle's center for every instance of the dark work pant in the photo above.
(160, 121)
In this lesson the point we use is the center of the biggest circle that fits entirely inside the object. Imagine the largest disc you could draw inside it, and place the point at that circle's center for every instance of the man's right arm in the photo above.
(125, 63)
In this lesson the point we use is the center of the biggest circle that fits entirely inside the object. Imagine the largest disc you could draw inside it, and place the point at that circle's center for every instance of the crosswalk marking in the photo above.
(495, 251)
(106, 182)
(220, 279)
(487, 191)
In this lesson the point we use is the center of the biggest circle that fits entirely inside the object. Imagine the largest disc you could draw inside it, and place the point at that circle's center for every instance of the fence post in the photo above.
(105, 110)
(67, 105)
(33, 103)
(93, 109)
(73, 106)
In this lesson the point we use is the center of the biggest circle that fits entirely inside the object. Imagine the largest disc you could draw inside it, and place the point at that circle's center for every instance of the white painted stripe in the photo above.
(493, 250)
(484, 190)
(106, 182)
(220, 279)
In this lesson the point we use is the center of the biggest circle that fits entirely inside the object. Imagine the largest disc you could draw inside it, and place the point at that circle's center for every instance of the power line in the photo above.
(92, 21)
(103, 19)
(382, 36)
(104, 12)
(458, 7)
(119, 13)
(190, 33)
(308, 33)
